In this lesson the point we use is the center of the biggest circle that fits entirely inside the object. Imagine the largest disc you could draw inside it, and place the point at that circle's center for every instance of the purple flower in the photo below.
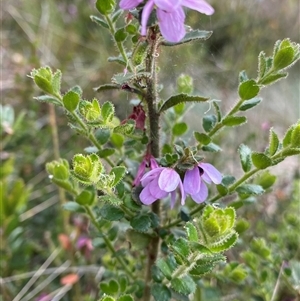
(158, 183)
(148, 161)
(170, 15)
(194, 179)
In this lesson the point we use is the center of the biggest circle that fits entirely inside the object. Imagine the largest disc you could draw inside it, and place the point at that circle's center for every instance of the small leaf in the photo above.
(160, 292)
(107, 87)
(290, 152)
(274, 143)
(99, 21)
(245, 157)
(209, 122)
(211, 147)
(184, 285)
(250, 189)
(113, 286)
(71, 100)
(272, 78)
(179, 129)
(181, 98)
(105, 7)
(103, 153)
(202, 138)
(192, 233)
(260, 160)
(107, 111)
(288, 136)
(56, 81)
(117, 140)
(266, 180)
(180, 246)
(86, 197)
(73, 207)
(120, 35)
(48, 99)
(283, 58)
(262, 65)
(248, 89)
(111, 213)
(165, 268)
(141, 223)
(118, 172)
(295, 137)
(126, 298)
(225, 245)
(191, 36)
(234, 120)
(248, 104)
(137, 239)
(102, 135)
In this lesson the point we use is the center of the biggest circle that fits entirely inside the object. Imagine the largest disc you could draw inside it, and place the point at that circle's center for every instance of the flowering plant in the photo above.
(133, 174)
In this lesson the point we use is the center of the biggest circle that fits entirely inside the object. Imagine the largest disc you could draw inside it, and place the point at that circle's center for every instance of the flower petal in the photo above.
(202, 194)
(146, 197)
(145, 16)
(167, 5)
(150, 175)
(199, 5)
(183, 195)
(129, 4)
(153, 163)
(210, 173)
(192, 180)
(156, 191)
(172, 24)
(168, 180)
(139, 174)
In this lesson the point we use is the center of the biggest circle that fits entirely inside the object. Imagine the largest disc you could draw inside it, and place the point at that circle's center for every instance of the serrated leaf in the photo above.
(260, 160)
(122, 78)
(248, 89)
(111, 213)
(56, 81)
(191, 36)
(113, 200)
(137, 239)
(105, 7)
(290, 152)
(262, 66)
(274, 143)
(248, 104)
(274, 77)
(191, 231)
(266, 180)
(205, 265)
(73, 207)
(107, 111)
(118, 172)
(209, 122)
(99, 21)
(250, 189)
(141, 223)
(245, 157)
(126, 128)
(165, 268)
(107, 298)
(202, 138)
(181, 98)
(283, 58)
(181, 247)
(225, 244)
(120, 35)
(179, 128)
(126, 298)
(113, 286)
(49, 99)
(234, 120)
(295, 137)
(184, 285)
(288, 136)
(43, 84)
(160, 292)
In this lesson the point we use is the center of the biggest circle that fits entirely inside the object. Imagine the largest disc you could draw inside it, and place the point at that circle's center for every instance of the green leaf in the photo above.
(73, 207)
(274, 77)
(184, 285)
(71, 100)
(209, 122)
(103, 153)
(248, 104)
(99, 21)
(291, 152)
(126, 298)
(260, 160)
(56, 81)
(225, 245)
(107, 298)
(107, 111)
(179, 129)
(111, 213)
(191, 36)
(107, 87)
(102, 135)
(160, 292)
(123, 282)
(185, 84)
(113, 286)
(266, 180)
(262, 64)
(43, 84)
(118, 172)
(211, 147)
(125, 128)
(117, 140)
(120, 35)
(165, 268)
(192, 233)
(248, 89)
(245, 157)
(181, 247)
(202, 138)
(283, 58)
(87, 196)
(105, 7)
(141, 223)
(250, 189)
(274, 143)
(180, 98)
(288, 136)
(295, 137)
(234, 120)
(205, 265)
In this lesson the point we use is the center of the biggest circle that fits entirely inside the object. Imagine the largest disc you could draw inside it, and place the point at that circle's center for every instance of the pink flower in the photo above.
(84, 244)
(170, 15)
(148, 161)
(158, 183)
(194, 179)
